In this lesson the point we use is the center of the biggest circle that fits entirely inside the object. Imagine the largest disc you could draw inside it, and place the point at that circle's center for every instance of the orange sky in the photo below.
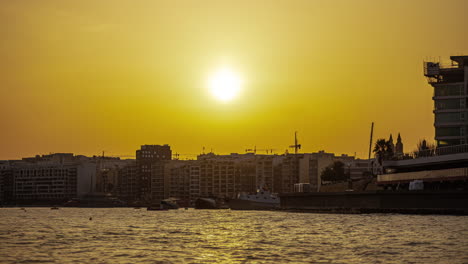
(88, 76)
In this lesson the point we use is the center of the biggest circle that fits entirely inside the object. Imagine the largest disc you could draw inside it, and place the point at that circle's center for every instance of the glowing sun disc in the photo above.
(225, 85)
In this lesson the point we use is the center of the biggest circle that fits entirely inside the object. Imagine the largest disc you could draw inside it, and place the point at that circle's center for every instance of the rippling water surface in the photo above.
(127, 235)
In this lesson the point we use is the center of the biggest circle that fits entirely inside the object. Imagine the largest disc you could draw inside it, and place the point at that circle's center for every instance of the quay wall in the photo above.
(378, 201)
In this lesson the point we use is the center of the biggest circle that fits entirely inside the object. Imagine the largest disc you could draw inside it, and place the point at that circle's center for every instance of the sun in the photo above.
(225, 85)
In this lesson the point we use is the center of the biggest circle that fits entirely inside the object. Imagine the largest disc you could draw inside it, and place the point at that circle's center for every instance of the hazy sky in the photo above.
(87, 76)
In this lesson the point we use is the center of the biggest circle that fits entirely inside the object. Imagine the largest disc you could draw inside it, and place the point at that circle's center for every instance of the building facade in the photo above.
(450, 83)
(128, 188)
(147, 158)
(45, 182)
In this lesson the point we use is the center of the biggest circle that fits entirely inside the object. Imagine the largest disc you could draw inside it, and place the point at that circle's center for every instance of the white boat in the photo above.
(262, 200)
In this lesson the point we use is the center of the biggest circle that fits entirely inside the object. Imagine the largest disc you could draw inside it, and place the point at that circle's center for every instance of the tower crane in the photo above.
(254, 150)
(296, 145)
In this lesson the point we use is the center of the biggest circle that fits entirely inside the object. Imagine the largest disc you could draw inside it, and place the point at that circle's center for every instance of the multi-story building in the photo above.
(47, 178)
(128, 188)
(179, 180)
(45, 182)
(159, 181)
(6, 182)
(217, 178)
(107, 175)
(146, 157)
(450, 83)
(286, 172)
(249, 174)
(264, 171)
(4, 173)
(194, 181)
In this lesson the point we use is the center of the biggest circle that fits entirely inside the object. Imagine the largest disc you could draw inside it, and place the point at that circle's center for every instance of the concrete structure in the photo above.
(450, 83)
(407, 202)
(440, 168)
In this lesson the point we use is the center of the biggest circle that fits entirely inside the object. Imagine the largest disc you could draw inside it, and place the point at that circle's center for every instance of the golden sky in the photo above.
(87, 76)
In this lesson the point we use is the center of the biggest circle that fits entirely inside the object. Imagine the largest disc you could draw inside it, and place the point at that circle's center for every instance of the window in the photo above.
(447, 131)
(448, 117)
(447, 104)
(448, 90)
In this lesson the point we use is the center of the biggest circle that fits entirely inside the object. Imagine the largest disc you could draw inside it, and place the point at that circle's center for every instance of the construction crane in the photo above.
(121, 156)
(296, 146)
(254, 150)
(371, 135)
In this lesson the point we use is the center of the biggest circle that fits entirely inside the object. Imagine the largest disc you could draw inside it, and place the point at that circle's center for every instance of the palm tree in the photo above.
(383, 149)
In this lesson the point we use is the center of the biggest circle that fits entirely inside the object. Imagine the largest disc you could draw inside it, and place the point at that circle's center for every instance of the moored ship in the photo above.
(97, 200)
(262, 200)
(210, 203)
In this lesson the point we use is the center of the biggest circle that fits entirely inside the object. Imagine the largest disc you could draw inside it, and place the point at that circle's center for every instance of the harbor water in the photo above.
(127, 235)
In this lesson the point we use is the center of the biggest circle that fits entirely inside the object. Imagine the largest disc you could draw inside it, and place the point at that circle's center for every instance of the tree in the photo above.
(335, 172)
(383, 149)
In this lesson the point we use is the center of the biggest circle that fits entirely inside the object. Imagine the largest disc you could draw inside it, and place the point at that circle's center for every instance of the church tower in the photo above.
(399, 147)
(390, 140)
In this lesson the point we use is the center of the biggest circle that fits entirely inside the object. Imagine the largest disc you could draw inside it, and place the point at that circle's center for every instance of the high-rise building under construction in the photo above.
(450, 84)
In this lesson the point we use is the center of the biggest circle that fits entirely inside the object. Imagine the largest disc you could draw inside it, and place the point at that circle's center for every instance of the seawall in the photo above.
(411, 202)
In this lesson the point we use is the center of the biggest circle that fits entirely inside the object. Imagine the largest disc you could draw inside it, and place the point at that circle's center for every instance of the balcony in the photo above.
(450, 123)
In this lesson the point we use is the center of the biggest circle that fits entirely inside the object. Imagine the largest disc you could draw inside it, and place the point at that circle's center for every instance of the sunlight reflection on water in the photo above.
(126, 235)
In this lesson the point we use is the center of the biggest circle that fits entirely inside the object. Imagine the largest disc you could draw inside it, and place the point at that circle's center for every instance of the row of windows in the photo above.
(449, 131)
(449, 90)
(450, 104)
(451, 117)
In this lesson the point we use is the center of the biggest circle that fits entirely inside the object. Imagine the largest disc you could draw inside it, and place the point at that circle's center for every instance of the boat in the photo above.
(169, 204)
(95, 200)
(261, 200)
(205, 203)
(156, 208)
(210, 203)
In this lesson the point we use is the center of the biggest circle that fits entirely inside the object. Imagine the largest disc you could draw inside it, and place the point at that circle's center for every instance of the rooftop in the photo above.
(461, 60)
